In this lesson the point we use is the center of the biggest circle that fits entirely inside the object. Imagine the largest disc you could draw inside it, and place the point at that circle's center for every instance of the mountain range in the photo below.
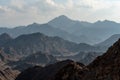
(68, 29)
(104, 67)
(38, 49)
(61, 50)
(32, 43)
(94, 32)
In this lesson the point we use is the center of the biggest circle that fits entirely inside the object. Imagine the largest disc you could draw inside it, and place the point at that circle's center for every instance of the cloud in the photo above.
(23, 12)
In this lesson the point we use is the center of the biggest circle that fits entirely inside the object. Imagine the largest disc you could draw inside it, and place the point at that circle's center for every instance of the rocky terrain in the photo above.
(64, 70)
(37, 49)
(26, 45)
(104, 67)
(39, 59)
(6, 73)
(32, 43)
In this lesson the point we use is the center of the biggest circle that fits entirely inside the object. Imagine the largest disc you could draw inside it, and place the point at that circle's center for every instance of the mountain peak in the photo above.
(61, 18)
(5, 35)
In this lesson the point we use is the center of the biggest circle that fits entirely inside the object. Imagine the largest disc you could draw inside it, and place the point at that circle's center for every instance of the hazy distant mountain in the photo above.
(93, 32)
(109, 42)
(68, 29)
(73, 27)
(45, 29)
(67, 24)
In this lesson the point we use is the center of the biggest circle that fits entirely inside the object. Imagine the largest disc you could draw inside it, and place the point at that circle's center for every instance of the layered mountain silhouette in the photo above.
(94, 32)
(32, 43)
(68, 29)
(38, 49)
(105, 67)
(42, 28)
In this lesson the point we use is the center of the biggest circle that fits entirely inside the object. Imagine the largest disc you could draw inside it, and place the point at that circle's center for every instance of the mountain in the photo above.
(67, 24)
(89, 57)
(38, 49)
(110, 41)
(71, 26)
(39, 58)
(64, 70)
(68, 29)
(93, 32)
(42, 28)
(104, 67)
(6, 58)
(82, 57)
(32, 43)
(4, 38)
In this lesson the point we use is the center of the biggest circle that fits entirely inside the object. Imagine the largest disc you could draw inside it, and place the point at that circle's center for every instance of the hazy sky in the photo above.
(23, 12)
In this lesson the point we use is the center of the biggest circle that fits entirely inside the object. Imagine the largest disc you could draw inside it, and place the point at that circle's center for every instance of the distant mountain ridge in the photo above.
(68, 29)
(42, 28)
(94, 32)
(32, 43)
(109, 42)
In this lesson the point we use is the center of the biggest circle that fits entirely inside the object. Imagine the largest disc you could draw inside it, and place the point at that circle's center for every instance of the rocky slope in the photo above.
(105, 67)
(32, 43)
(39, 58)
(6, 73)
(64, 70)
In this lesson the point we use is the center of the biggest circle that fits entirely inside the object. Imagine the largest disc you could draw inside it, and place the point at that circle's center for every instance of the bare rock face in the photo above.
(107, 66)
(6, 73)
